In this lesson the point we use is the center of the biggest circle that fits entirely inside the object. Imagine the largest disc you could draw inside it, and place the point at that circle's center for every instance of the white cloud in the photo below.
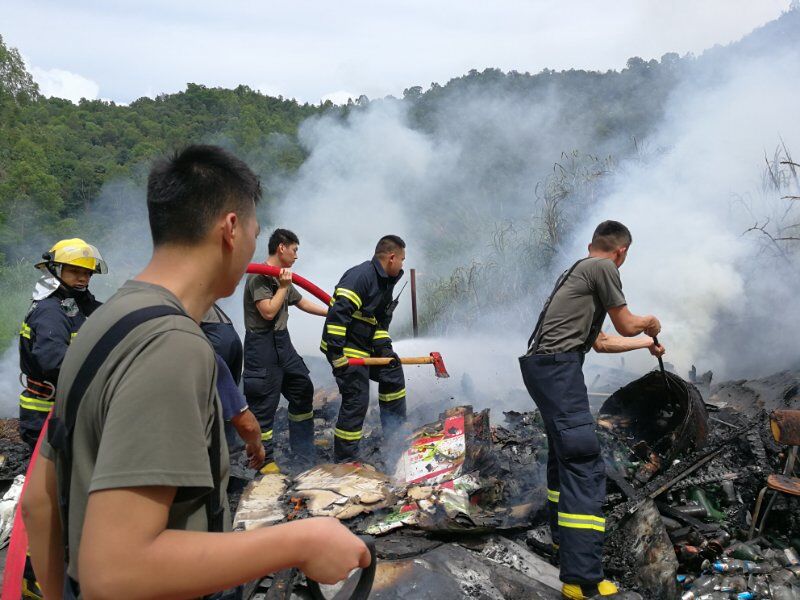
(307, 49)
(65, 84)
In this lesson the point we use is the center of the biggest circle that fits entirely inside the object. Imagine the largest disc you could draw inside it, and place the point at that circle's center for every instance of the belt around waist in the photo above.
(557, 357)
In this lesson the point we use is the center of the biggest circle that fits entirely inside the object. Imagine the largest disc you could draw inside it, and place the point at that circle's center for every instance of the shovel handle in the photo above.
(374, 361)
(661, 364)
(367, 577)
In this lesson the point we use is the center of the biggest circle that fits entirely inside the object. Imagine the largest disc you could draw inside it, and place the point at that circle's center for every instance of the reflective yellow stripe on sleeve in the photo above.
(350, 436)
(338, 330)
(381, 334)
(37, 404)
(393, 396)
(354, 353)
(266, 436)
(350, 295)
(361, 317)
(25, 330)
(576, 521)
(301, 417)
(347, 351)
(553, 495)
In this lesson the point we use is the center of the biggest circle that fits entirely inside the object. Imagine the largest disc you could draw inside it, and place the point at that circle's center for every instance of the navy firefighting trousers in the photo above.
(576, 480)
(354, 388)
(273, 367)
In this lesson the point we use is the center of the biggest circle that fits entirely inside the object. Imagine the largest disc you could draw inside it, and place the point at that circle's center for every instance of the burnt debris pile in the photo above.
(463, 499)
(700, 500)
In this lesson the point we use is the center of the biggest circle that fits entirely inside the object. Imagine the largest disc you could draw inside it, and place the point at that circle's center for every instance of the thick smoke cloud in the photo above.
(472, 165)
(725, 304)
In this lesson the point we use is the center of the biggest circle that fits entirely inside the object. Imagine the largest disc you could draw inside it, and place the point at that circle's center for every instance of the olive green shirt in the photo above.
(576, 313)
(264, 287)
(147, 417)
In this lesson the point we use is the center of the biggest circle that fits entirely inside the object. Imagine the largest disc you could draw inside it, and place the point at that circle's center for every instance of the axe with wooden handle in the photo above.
(434, 359)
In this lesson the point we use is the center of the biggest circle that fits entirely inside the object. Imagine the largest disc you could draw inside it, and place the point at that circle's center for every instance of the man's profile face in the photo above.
(395, 263)
(244, 246)
(287, 254)
(621, 255)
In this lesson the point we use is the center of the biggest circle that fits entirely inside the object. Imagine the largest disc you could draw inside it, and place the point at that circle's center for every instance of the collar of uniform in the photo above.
(382, 273)
(379, 268)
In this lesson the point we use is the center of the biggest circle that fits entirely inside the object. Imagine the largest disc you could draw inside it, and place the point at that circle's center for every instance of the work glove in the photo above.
(339, 363)
(387, 352)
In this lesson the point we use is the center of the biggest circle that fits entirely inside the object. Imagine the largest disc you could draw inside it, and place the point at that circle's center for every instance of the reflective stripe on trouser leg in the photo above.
(354, 388)
(299, 391)
(556, 384)
(552, 490)
(263, 394)
(391, 396)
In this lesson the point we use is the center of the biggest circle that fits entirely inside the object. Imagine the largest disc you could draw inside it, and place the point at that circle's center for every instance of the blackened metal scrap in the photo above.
(719, 477)
(674, 475)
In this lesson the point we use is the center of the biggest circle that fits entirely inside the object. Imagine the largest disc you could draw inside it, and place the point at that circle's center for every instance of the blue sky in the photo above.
(312, 49)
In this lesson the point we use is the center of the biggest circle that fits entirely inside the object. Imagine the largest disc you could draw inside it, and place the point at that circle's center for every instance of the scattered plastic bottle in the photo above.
(732, 584)
(789, 558)
(739, 566)
(744, 551)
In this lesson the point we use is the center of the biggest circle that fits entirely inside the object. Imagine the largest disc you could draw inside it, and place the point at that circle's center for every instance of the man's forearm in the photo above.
(187, 564)
(612, 344)
(312, 308)
(269, 307)
(247, 427)
(43, 523)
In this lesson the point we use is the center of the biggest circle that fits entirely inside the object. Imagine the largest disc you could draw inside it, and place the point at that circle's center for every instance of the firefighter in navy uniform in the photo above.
(357, 327)
(241, 424)
(61, 303)
(569, 326)
(220, 331)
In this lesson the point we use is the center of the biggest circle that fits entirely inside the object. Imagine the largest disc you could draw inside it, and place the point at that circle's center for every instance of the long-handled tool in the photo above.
(661, 365)
(434, 359)
(354, 588)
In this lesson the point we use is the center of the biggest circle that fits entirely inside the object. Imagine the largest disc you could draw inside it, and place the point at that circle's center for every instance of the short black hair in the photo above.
(388, 244)
(187, 191)
(610, 235)
(281, 236)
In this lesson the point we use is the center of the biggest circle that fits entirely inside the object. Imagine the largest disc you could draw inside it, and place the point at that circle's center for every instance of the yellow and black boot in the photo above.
(584, 591)
(30, 588)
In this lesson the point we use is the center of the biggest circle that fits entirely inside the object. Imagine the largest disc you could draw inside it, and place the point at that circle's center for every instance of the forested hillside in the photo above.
(57, 157)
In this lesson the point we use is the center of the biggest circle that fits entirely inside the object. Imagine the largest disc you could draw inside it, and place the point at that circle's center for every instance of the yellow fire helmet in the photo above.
(74, 252)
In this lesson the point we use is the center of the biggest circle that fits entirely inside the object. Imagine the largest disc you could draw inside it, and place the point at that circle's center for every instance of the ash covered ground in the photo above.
(685, 469)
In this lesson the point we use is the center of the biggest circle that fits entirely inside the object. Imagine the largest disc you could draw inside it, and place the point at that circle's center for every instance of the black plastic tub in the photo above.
(667, 420)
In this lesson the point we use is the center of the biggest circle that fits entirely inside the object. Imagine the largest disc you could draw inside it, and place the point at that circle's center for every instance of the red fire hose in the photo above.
(262, 269)
(18, 548)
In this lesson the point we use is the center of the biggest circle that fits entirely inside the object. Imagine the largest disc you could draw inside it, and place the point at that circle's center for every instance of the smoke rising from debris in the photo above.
(689, 193)
(447, 180)
(726, 298)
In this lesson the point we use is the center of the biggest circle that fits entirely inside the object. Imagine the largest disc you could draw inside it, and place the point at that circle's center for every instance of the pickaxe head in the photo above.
(438, 365)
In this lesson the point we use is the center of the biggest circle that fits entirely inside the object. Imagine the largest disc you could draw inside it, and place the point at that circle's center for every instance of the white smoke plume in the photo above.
(724, 304)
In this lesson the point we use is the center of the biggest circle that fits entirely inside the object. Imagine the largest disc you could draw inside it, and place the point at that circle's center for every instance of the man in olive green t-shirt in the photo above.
(272, 366)
(142, 445)
(569, 326)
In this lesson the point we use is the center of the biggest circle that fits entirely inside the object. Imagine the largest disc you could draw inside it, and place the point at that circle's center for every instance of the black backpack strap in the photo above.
(221, 315)
(536, 336)
(60, 431)
(215, 512)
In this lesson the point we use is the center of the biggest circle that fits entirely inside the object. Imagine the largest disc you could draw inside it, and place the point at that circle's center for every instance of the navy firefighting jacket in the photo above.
(358, 321)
